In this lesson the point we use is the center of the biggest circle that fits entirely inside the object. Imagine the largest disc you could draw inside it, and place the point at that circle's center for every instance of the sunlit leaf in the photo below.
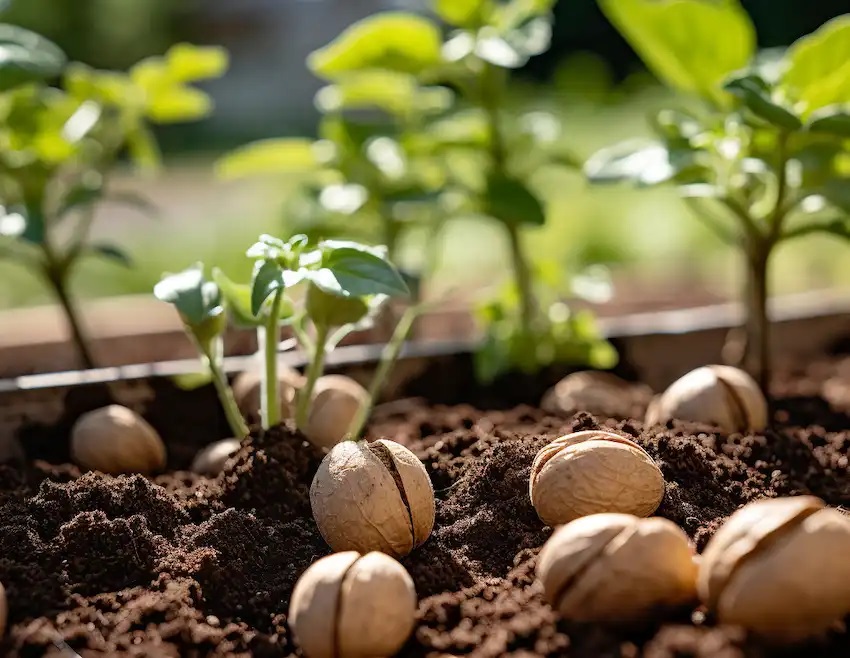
(191, 381)
(755, 94)
(461, 13)
(832, 120)
(354, 272)
(190, 63)
(179, 104)
(392, 40)
(269, 157)
(266, 281)
(641, 162)
(196, 299)
(393, 92)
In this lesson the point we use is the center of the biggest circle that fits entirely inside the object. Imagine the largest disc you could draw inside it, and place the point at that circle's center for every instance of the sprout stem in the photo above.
(388, 358)
(314, 371)
(225, 394)
(268, 336)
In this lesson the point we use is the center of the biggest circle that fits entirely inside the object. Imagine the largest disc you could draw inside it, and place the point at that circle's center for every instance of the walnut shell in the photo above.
(780, 568)
(373, 497)
(116, 440)
(335, 402)
(592, 472)
(350, 606)
(211, 459)
(598, 393)
(715, 395)
(248, 385)
(616, 567)
(4, 610)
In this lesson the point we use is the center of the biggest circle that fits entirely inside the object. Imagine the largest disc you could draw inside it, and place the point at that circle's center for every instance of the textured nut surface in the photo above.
(780, 568)
(116, 440)
(373, 497)
(248, 385)
(211, 460)
(335, 402)
(4, 610)
(616, 567)
(599, 393)
(348, 605)
(716, 395)
(593, 472)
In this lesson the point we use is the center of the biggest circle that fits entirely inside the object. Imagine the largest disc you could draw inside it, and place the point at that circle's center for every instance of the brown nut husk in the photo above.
(780, 568)
(248, 385)
(352, 606)
(211, 460)
(373, 497)
(116, 440)
(593, 472)
(723, 396)
(335, 402)
(617, 568)
(598, 393)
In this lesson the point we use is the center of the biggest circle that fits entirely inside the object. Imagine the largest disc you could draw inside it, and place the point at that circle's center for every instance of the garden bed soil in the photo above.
(183, 565)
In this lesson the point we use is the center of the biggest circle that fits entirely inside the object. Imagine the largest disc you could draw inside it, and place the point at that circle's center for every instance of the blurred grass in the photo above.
(647, 235)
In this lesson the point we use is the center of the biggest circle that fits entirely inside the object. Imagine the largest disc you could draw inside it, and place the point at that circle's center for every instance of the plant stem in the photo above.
(225, 396)
(268, 336)
(59, 284)
(522, 277)
(757, 324)
(314, 371)
(388, 358)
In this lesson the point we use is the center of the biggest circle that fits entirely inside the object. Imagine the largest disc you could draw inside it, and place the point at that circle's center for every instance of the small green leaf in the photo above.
(756, 97)
(329, 309)
(110, 252)
(395, 93)
(461, 13)
(644, 163)
(191, 381)
(266, 281)
(268, 157)
(178, 105)
(510, 201)
(238, 299)
(354, 272)
(189, 63)
(818, 67)
(831, 120)
(392, 40)
(691, 45)
(196, 299)
(27, 57)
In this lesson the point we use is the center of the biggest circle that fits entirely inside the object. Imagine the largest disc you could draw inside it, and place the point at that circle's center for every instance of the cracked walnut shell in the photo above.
(116, 440)
(373, 497)
(616, 567)
(350, 606)
(779, 568)
(593, 472)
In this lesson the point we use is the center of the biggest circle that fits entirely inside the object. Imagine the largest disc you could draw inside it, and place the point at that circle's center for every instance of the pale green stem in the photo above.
(314, 371)
(268, 336)
(225, 395)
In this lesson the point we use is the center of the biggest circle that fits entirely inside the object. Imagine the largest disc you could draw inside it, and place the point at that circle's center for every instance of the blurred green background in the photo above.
(590, 80)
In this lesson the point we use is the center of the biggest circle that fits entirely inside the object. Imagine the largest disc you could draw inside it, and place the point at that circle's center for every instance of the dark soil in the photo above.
(189, 566)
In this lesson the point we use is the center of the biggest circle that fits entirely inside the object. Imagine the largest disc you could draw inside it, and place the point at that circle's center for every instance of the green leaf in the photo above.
(179, 104)
(268, 157)
(238, 299)
(692, 45)
(755, 94)
(143, 149)
(831, 120)
(392, 40)
(329, 309)
(110, 252)
(190, 63)
(644, 163)
(191, 381)
(818, 67)
(461, 13)
(354, 272)
(266, 281)
(34, 224)
(196, 299)
(837, 192)
(395, 93)
(81, 196)
(510, 201)
(26, 57)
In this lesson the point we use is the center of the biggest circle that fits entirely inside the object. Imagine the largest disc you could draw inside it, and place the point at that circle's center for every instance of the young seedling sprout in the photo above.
(760, 156)
(60, 147)
(202, 310)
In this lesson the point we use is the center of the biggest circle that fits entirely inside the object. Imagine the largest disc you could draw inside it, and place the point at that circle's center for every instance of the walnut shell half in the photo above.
(780, 568)
(593, 472)
(335, 402)
(349, 606)
(212, 458)
(116, 440)
(616, 567)
(373, 497)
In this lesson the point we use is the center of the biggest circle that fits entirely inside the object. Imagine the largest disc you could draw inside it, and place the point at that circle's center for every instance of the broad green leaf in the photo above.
(110, 252)
(178, 104)
(832, 120)
(190, 63)
(755, 94)
(196, 299)
(327, 308)
(644, 163)
(26, 57)
(269, 157)
(818, 67)
(392, 40)
(354, 272)
(692, 45)
(510, 201)
(461, 13)
(396, 93)
(266, 281)
(237, 296)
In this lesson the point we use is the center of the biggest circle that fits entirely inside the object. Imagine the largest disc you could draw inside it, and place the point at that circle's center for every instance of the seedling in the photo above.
(60, 147)
(757, 148)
